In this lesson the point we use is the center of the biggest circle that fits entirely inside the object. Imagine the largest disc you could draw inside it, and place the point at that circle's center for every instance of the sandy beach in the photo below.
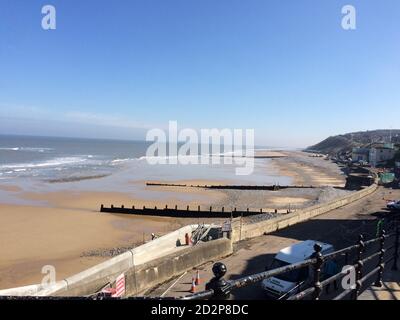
(65, 228)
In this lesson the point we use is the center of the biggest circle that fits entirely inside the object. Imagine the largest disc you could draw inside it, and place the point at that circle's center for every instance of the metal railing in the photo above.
(219, 288)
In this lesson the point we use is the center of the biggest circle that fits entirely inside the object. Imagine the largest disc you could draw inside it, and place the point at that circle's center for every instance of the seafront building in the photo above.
(381, 154)
(397, 170)
(360, 154)
(377, 154)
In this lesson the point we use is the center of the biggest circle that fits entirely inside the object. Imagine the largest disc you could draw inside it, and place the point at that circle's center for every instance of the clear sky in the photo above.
(286, 68)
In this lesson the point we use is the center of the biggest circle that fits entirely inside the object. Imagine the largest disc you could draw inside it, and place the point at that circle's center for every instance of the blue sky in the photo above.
(113, 69)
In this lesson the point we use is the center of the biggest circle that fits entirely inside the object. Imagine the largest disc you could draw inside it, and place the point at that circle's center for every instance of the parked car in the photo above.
(393, 205)
(285, 285)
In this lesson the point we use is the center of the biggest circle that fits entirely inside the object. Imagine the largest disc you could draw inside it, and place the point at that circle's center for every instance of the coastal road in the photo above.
(339, 227)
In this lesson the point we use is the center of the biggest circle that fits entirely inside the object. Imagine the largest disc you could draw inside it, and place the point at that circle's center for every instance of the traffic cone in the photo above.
(198, 280)
(193, 288)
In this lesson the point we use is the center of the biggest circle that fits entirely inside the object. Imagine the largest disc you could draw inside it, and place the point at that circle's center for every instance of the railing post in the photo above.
(317, 271)
(361, 248)
(218, 284)
(396, 249)
(381, 264)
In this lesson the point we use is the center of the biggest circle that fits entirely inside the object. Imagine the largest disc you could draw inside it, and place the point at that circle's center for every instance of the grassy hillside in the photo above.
(346, 142)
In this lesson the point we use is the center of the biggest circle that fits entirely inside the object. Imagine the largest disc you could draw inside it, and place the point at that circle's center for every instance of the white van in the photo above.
(292, 282)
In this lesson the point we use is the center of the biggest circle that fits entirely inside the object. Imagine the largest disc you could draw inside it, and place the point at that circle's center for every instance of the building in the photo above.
(360, 154)
(381, 154)
(397, 170)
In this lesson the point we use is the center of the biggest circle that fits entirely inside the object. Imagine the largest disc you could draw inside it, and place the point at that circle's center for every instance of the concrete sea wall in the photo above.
(144, 266)
(160, 270)
(246, 231)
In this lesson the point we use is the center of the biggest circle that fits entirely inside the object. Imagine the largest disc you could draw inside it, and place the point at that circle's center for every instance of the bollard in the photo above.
(381, 263)
(187, 208)
(210, 208)
(112, 206)
(198, 208)
(261, 210)
(317, 271)
(218, 284)
(396, 249)
(155, 208)
(193, 287)
(223, 209)
(101, 208)
(176, 207)
(361, 248)
(198, 279)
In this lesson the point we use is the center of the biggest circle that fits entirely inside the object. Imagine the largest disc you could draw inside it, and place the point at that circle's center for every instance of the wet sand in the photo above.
(69, 225)
(60, 227)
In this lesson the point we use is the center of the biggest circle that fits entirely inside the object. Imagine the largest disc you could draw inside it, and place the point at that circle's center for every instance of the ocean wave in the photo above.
(9, 149)
(49, 163)
(119, 161)
(29, 149)
(236, 153)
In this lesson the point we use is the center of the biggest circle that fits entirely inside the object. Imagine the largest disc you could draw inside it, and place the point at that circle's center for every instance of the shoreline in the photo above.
(63, 227)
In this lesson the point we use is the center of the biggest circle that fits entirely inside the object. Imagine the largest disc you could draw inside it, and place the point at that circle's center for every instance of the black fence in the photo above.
(381, 250)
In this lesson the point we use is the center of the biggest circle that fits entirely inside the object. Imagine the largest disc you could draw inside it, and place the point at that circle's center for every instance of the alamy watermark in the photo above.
(349, 280)
(348, 22)
(211, 146)
(49, 19)
(50, 275)
(349, 19)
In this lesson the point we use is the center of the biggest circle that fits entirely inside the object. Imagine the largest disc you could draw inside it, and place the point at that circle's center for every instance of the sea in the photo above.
(54, 163)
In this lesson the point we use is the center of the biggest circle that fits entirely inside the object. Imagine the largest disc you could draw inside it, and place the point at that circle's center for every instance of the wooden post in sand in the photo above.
(241, 224)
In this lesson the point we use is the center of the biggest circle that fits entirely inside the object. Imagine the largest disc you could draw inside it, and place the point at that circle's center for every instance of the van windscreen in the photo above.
(298, 275)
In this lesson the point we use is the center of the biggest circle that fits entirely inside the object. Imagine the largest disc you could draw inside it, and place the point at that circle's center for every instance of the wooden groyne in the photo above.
(184, 213)
(234, 187)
